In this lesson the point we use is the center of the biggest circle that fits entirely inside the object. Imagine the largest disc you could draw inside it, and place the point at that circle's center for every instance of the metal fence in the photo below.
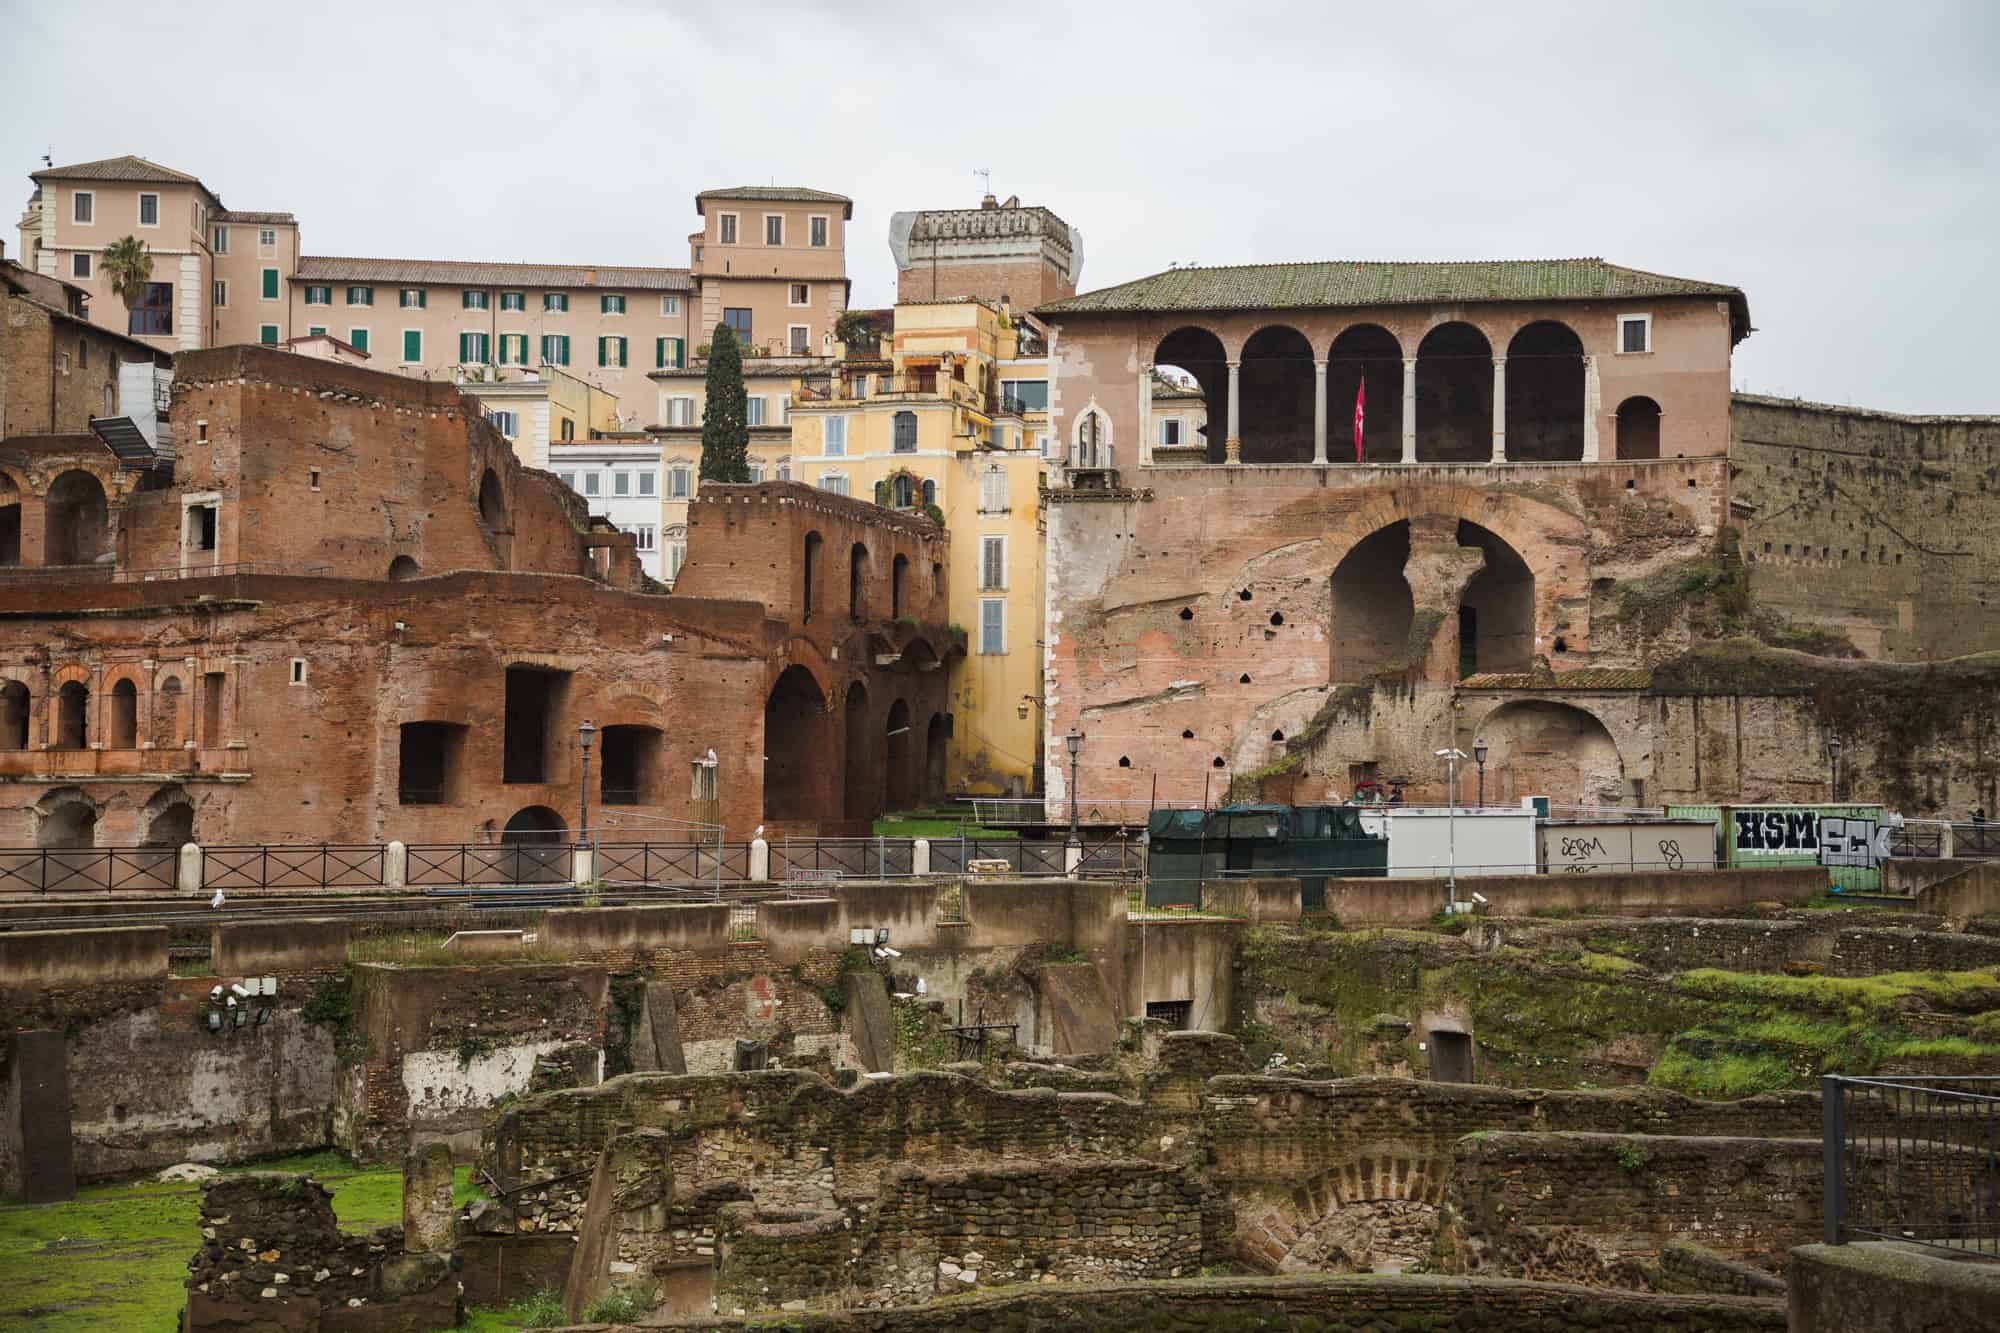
(290, 866)
(655, 862)
(844, 858)
(1913, 1159)
(444, 865)
(111, 869)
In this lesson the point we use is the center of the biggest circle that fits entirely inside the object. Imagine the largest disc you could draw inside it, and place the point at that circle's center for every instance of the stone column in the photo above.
(1319, 411)
(1233, 443)
(1409, 409)
(1145, 414)
(145, 722)
(1499, 409)
(99, 711)
(428, 1213)
(1592, 398)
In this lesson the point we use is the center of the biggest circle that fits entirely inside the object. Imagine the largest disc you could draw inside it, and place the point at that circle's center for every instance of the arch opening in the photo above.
(13, 716)
(1638, 428)
(72, 729)
(796, 785)
(492, 502)
(630, 773)
(1454, 395)
(78, 523)
(1545, 394)
(857, 581)
(1275, 396)
(68, 820)
(1373, 608)
(1365, 355)
(1190, 386)
(899, 765)
(404, 568)
(10, 521)
(859, 786)
(1496, 612)
(1540, 748)
(169, 818)
(125, 715)
(936, 735)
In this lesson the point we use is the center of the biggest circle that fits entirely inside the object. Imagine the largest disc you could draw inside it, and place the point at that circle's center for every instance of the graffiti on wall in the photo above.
(1832, 840)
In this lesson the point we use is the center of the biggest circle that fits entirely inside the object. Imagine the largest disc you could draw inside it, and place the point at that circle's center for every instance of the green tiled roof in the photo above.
(1337, 283)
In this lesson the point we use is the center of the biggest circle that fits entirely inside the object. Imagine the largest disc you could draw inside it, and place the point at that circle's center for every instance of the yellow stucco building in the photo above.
(950, 411)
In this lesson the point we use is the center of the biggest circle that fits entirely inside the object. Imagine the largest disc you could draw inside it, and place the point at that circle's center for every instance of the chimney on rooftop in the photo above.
(1013, 201)
(989, 202)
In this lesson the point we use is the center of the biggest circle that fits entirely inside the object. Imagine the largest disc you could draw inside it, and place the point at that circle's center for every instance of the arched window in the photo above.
(1639, 428)
(78, 519)
(72, 716)
(125, 715)
(857, 581)
(899, 571)
(930, 494)
(811, 571)
(492, 502)
(902, 491)
(403, 567)
(13, 716)
(906, 433)
(1090, 440)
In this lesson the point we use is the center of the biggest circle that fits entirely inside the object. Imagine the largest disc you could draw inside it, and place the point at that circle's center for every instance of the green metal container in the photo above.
(1841, 838)
(1311, 843)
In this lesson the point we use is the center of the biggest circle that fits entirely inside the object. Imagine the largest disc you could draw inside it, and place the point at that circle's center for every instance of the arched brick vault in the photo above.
(1628, 718)
(1267, 1234)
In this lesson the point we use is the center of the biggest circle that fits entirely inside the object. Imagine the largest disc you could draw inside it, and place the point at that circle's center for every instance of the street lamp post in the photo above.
(1833, 766)
(1451, 757)
(584, 735)
(1075, 743)
(1479, 758)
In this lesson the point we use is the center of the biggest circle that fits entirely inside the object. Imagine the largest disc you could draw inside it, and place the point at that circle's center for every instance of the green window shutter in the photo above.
(268, 334)
(270, 284)
(624, 345)
(601, 341)
(358, 339)
(562, 340)
(315, 330)
(680, 354)
(413, 345)
(422, 296)
(660, 352)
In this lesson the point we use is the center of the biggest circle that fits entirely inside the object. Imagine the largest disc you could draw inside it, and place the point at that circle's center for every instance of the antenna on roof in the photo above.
(985, 175)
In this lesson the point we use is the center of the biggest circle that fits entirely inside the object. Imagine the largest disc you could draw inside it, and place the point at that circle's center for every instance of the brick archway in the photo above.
(1383, 1203)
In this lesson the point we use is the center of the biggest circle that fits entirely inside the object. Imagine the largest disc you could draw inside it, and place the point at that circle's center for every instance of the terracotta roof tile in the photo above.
(471, 273)
(126, 168)
(778, 194)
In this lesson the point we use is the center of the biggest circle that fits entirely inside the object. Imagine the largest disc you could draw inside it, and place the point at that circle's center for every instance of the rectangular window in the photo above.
(738, 318)
(992, 563)
(680, 412)
(591, 482)
(270, 288)
(1170, 432)
(567, 478)
(774, 229)
(555, 349)
(149, 210)
(833, 483)
(992, 625)
(358, 339)
(556, 301)
(753, 411)
(473, 300)
(513, 349)
(669, 352)
(361, 296)
(1027, 395)
(725, 229)
(507, 423)
(1635, 333)
(221, 241)
(800, 294)
(513, 300)
(677, 554)
(610, 351)
(83, 207)
(993, 491)
(611, 305)
(670, 306)
(819, 232)
(644, 532)
(621, 483)
(472, 349)
(267, 334)
(677, 483)
(315, 330)
(411, 298)
(79, 265)
(219, 292)
(413, 346)
(266, 238)
(646, 476)
(317, 295)
(836, 437)
(154, 315)
(799, 340)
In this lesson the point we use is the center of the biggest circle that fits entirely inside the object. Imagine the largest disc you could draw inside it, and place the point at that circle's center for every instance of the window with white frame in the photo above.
(678, 478)
(784, 469)
(319, 296)
(756, 470)
(798, 340)
(819, 229)
(410, 298)
(83, 207)
(220, 241)
(267, 238)
(992, 626)
(1635, 333)
(220, 292)
(992, 563)
(621, 483)
(680, 411)
(646, 477)
(993, 491)
(753, 410)
(774, 229)
(513, 300)
(567, 478)
(79, 264)
(644, 532)
(834, 483)
(677, 551)
(555, 302)
(1170, 432)
(507, 423)
(149, 210)
(800, 294)
(836, 437)
(670, 305)
(725, 229)
(593, 483)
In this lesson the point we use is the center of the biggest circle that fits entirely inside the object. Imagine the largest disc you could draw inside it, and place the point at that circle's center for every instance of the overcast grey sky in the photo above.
(1837, 161)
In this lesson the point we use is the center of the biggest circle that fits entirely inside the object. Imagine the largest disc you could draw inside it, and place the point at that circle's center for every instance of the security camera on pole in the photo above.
(1451, 757)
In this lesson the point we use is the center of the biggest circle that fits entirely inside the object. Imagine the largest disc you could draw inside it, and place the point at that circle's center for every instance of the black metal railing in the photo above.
(293, 866)
(671, 862)
(111, 869)
(1913, 1159)
(450, 865)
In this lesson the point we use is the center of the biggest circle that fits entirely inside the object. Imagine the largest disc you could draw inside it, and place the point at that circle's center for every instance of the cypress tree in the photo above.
(725, 430)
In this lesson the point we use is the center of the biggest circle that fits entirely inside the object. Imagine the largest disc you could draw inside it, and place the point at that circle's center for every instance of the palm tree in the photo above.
(127, 267)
